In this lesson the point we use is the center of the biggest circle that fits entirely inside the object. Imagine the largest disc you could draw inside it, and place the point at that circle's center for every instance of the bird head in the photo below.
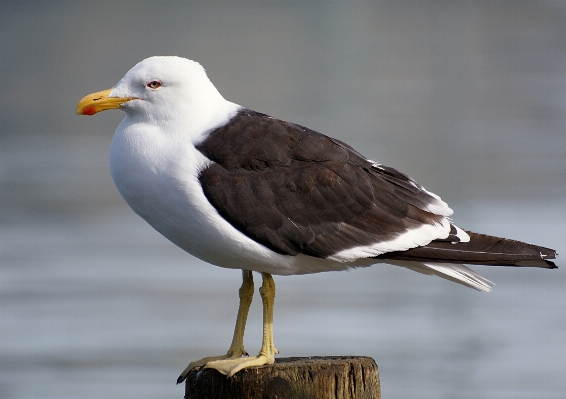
(156, 88)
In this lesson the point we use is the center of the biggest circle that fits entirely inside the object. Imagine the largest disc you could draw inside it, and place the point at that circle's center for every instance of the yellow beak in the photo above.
(99, 101)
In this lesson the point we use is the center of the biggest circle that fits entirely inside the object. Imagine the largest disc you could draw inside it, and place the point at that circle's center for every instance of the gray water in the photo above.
(467, 97)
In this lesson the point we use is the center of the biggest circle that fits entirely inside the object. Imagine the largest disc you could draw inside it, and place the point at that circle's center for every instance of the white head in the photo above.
(160, 89)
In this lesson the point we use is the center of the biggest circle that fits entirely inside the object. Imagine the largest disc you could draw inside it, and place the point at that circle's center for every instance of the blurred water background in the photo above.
(468, 97)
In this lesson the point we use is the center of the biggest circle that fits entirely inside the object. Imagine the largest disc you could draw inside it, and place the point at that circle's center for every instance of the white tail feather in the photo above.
(453, 272)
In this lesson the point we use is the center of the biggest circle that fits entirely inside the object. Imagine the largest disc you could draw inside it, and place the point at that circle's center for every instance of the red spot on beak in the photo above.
(90, 110)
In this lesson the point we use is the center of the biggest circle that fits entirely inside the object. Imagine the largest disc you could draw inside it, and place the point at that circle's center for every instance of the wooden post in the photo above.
(336, 377)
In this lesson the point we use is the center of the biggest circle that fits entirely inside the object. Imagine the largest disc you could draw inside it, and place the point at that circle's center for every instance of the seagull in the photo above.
(243, 190)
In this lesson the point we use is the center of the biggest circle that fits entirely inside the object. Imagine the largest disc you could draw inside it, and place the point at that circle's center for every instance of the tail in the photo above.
(446, 259)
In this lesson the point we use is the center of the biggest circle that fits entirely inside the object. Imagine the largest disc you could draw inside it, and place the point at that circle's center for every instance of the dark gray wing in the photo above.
(297, 191)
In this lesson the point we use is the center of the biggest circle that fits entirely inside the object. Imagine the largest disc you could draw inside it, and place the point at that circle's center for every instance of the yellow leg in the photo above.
(266, 355)
(236, 349)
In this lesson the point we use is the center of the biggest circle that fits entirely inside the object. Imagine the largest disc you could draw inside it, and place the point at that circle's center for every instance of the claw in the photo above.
(231, 355)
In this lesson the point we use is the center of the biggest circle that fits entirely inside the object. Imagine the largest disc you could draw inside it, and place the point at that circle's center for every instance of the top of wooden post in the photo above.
(333, 377)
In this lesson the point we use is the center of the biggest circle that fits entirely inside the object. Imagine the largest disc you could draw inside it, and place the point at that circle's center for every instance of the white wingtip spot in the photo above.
(376, 165)
(438, 207)
(461, 234)
(441, 208)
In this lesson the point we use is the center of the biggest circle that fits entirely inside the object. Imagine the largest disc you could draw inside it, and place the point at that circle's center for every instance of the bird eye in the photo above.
(154, 84)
